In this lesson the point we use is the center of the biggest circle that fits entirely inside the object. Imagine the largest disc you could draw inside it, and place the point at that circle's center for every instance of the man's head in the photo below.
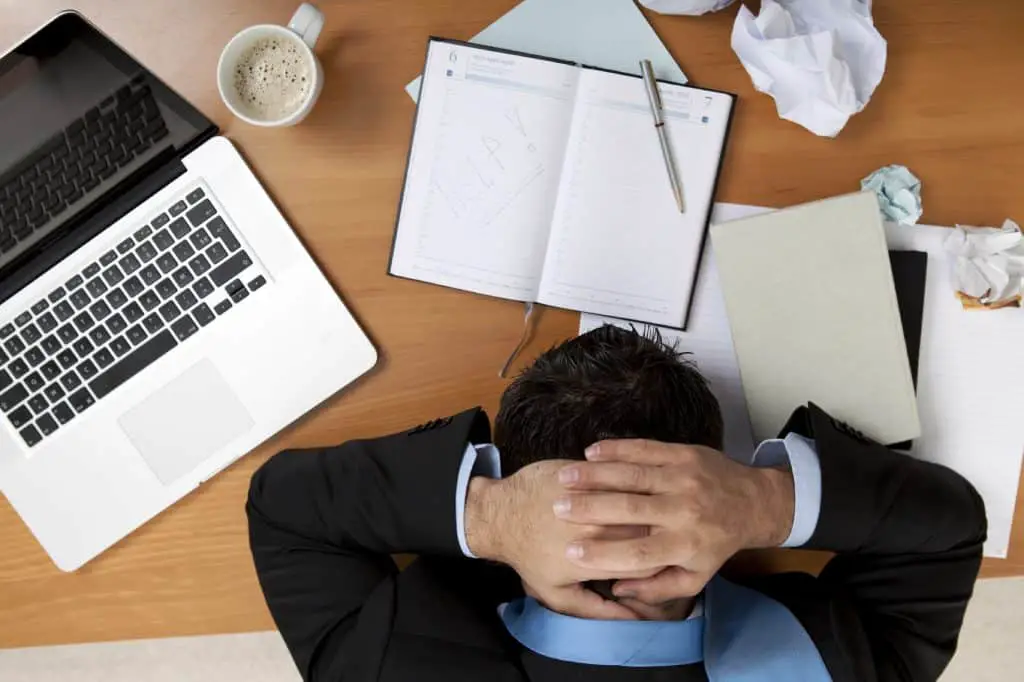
(607, 383)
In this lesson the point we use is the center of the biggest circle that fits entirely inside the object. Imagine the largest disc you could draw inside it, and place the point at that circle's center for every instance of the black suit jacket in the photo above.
(324, 523)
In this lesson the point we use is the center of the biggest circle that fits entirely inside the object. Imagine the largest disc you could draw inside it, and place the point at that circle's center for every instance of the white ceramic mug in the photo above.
(302, 32)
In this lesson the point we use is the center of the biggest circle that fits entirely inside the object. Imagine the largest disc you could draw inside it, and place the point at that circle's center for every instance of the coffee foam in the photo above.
(273, 78)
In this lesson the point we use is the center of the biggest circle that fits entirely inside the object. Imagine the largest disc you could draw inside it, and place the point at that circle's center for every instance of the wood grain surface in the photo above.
(950, 107)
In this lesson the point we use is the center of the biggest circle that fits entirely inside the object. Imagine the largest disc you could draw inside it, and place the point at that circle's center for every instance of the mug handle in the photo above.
(307, 22)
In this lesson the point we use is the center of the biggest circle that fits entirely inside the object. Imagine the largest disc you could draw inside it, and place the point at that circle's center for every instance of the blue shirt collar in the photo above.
(635, 644)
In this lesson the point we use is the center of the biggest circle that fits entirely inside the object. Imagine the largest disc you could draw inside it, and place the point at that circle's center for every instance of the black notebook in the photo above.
(539, 180)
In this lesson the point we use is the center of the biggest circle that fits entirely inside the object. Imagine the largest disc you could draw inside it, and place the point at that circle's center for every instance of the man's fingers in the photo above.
(640, 451)
(611, 509)
(624, 476)
(620, 557)
(672, 583)
(576, 600)
(614, 532)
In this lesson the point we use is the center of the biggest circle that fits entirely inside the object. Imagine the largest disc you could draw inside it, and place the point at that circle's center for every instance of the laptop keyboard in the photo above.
(119, 314)
(90, 150)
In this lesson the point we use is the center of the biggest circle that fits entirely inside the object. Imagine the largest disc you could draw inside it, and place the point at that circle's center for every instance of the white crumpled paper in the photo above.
(692, 7)
(898, 191)
(989, 263)
(820, 60)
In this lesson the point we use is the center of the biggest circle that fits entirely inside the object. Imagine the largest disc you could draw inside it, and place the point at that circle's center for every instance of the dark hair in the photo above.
(607, 383)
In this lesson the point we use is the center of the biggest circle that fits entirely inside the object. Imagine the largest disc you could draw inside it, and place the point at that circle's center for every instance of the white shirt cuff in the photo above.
(479, 460)
(800, 455)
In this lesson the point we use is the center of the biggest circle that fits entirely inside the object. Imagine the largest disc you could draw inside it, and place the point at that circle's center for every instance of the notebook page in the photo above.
(619, 245)
(483, 170)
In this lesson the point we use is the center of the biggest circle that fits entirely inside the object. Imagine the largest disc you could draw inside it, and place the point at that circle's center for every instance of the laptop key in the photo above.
(81, 400)
(63, 413)
(6, 330)
(46, 424)
(38, 403)
(10, 398)
(201, 213)
(57, 294)
(125, 246)
(120, 346)
(51, 344)
(163, 240)
(14, 345)
(46, 322)
(199, 265)
(87, 370)
(186, 299)
(34, 356)
(133, 286)
(63, 311)
(195, 195)
(223, 306)
(160, 221)
(70, 381)
(20, 417)
(23, 319)
(230, 268)
(132, 311)
(182, 276)
(67, 333)
(103, 358)
(99, 310)
(91, 270)
(146, 252)
(166, 263)
(99, 335)
(83, 347)
(80, 298)
(18, 368)
(30, 333)
(257, 283)
(84, 322)
(40, 306)
(34, 382)
(200, 238)
(129, 263)
(108, 258)
(53, 392)
(142, 233)
(96, 287)
(183, 251)
(132, 364)
(179, 228)
(74, 282)
(217, 253)
(30, 435)
(178, 208)
(170, 311)
(150, 275)
(66, 358)
(113, 275)
(136, 334)
(116, 324)
(202, 287)
(184, 328)
(203, 314)
(50, 370)
(166, 289)
(153, 323)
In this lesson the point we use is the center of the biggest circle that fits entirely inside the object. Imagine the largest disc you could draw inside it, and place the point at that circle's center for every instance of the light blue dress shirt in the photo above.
(747, 623)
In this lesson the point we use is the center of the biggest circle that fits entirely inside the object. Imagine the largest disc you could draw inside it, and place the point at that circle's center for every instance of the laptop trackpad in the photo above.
(178, 427)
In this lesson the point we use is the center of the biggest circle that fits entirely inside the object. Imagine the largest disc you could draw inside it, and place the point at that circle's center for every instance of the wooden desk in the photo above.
(949, 107)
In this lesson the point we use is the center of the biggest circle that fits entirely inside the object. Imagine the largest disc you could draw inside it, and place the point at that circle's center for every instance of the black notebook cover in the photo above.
(909, 272)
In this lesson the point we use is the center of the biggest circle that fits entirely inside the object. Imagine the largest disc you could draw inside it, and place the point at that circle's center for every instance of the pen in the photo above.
(659, 124)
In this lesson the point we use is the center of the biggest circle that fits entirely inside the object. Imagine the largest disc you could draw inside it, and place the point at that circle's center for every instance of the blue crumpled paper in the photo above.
(898, 191)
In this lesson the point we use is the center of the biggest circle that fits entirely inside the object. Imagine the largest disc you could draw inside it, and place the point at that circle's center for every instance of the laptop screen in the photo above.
(80, 121)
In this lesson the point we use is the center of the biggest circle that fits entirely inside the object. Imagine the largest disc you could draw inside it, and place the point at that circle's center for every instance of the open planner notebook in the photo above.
(539, 180)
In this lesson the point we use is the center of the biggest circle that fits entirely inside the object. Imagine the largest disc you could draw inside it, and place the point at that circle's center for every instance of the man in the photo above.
(605, 569)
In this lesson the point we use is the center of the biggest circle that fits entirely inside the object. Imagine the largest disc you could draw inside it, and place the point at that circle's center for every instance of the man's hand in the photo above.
(700, 506)
(511, 521)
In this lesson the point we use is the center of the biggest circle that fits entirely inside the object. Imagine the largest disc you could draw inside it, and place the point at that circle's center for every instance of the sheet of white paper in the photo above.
(970, 376)
(709, 343)
(820, 60)
(970, 386)
(611, 34)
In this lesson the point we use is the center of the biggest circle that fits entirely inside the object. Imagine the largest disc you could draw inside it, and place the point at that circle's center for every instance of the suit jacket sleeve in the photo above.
(908, 536)
(323, 524)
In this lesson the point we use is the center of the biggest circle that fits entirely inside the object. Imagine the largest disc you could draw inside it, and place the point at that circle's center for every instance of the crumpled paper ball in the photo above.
(989, 268)
(898, 191)
(820, 60)
(692, 7)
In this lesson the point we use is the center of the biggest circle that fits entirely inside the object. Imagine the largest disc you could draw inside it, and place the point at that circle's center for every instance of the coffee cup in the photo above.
(268, 75)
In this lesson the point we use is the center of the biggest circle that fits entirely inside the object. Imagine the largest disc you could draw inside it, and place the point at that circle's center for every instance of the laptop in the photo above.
(158, 317)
